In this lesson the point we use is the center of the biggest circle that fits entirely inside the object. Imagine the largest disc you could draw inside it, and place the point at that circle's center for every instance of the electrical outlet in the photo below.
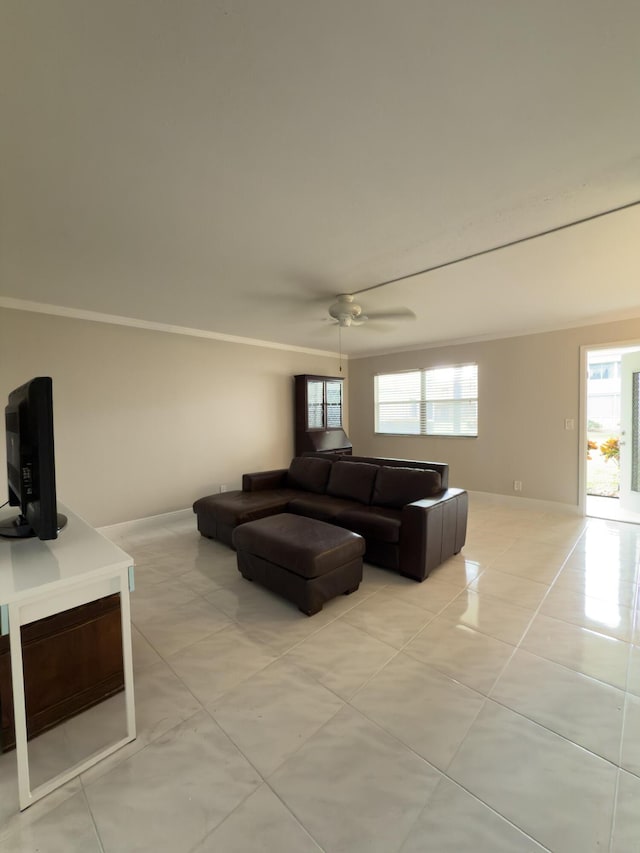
(517, 485)
(223, 487)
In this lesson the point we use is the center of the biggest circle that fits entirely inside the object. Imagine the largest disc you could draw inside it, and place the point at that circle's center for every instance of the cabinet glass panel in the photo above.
(334, 405)
(315, 405)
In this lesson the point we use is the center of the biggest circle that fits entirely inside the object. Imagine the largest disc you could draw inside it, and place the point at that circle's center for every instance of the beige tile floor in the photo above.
(494, 708)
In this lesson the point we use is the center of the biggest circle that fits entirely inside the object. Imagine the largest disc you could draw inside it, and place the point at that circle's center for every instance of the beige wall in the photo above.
(147, 421)
(527, 387)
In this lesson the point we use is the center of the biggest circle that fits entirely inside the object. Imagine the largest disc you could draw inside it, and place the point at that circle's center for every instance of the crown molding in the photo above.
(133, 322)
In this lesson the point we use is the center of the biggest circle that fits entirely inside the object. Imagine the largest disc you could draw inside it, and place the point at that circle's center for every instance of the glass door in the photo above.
(630, 433)
(315, 404)
(334, 404)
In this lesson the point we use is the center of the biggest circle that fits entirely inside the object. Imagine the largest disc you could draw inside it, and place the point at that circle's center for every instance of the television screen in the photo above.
(31, 477)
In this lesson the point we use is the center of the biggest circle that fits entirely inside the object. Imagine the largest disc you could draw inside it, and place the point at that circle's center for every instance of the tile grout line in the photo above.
(265, 779)
(93, 819)
(281, 655)
(485, 699)
(614, 813)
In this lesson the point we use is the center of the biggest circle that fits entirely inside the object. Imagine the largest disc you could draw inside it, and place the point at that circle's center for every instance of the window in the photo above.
(435, 401)
(604, 370)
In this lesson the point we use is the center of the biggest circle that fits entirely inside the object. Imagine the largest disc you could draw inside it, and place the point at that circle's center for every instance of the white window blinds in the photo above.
(435, 401)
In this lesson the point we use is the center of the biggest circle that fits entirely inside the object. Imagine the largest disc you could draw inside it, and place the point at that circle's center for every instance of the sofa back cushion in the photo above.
(352, 480)
(310, 473)
(395, 487)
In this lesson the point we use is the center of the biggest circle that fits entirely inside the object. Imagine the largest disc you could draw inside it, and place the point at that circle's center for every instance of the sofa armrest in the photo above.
(263, 480)
(433, 529)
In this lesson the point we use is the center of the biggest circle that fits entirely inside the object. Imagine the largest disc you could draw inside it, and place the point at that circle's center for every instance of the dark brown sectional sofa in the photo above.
(410, 519)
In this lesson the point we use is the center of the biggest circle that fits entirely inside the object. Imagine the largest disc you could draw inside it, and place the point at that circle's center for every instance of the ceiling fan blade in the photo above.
(378, 326)
(392, 314)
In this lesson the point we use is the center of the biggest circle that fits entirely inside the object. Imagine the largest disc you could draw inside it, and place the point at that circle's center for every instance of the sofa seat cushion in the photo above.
(232, 508)
(309, 473)
(352, 480)
(322, 507)
(305, 546)
(378, 523)
(395, 487)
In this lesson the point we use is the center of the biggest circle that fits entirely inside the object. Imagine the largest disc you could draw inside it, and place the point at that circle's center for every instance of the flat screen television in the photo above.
(31, 473)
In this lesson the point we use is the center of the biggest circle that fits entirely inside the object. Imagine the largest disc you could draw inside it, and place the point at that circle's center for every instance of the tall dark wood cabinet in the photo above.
(318, 415)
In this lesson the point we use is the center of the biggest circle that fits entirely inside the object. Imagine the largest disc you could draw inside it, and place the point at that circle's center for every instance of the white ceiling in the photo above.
(232, 165)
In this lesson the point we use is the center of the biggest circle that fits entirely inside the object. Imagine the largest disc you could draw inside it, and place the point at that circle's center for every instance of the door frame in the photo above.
(585, 349)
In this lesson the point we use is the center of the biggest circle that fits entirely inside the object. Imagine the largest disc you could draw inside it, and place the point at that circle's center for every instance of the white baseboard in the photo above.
(138, 525)
(526, 503)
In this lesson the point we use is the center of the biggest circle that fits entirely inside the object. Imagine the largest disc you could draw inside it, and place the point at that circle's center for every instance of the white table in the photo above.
(39, 579)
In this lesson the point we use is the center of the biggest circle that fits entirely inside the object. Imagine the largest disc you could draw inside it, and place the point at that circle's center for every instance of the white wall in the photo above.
(145, 421)
(527, 387)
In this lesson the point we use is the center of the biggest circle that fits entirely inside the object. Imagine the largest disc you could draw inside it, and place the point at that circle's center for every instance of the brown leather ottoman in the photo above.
(304, 560)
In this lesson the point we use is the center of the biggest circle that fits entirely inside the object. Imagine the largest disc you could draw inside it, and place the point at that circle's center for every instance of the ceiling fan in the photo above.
(346, 312)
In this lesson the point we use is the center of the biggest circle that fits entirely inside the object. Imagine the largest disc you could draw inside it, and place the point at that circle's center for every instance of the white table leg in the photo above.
(127, 655)
(19, 708)
(27, 796)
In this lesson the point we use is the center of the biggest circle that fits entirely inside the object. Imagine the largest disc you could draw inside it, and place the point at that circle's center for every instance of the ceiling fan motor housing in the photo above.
(345, 310)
